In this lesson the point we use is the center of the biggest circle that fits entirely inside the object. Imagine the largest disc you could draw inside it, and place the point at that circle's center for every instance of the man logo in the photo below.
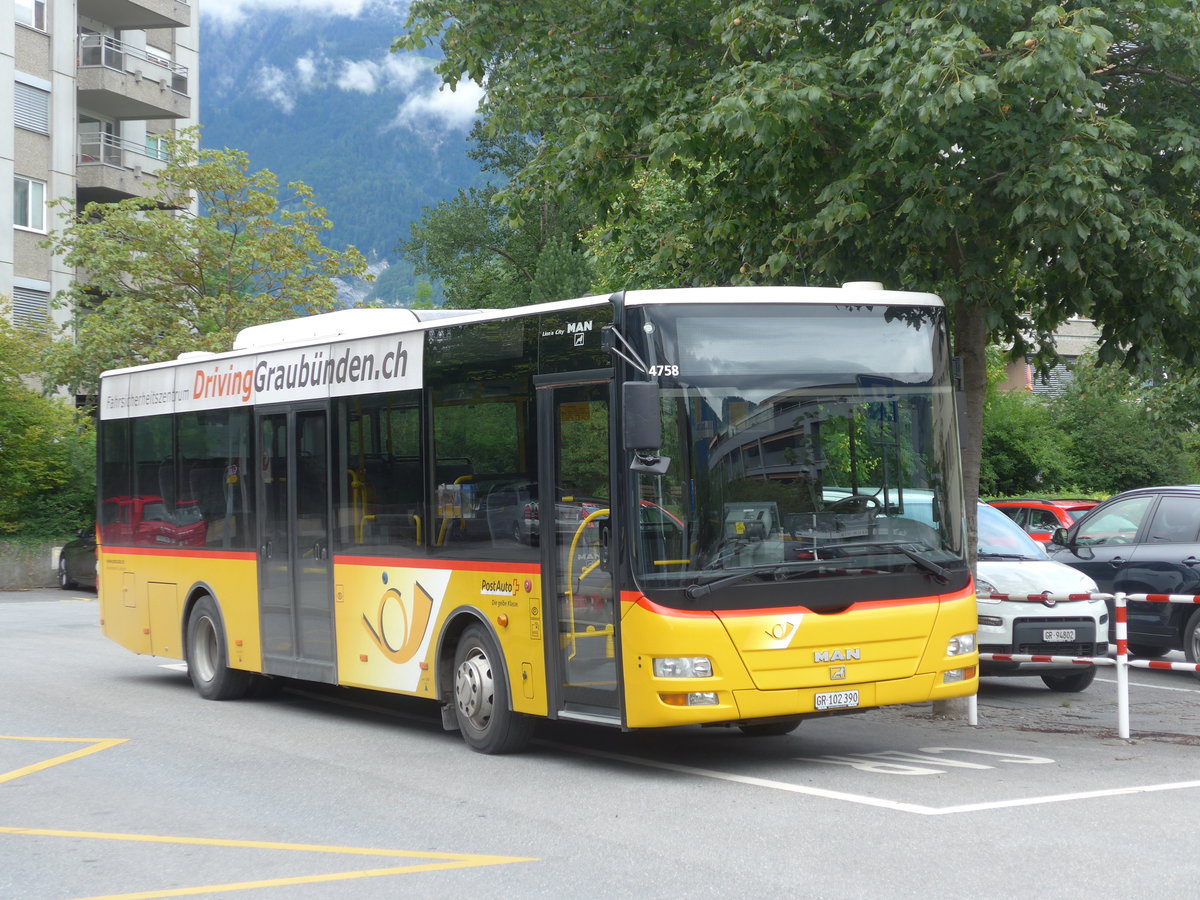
(837, 673)
(837, 655)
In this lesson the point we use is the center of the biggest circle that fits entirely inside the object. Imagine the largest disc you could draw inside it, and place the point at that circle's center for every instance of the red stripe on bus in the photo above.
(649, 605)
(393, 562)
(178, 552)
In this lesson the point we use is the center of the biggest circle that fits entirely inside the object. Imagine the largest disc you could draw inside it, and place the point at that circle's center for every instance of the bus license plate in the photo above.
(1057, 635)
(836, 700)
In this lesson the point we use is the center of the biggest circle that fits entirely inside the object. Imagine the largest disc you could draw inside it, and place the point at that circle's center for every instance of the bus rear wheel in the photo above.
(208, 658)
(481, 704)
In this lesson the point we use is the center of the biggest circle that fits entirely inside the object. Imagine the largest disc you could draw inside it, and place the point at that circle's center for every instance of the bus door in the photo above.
(295, 583)
(573, 488)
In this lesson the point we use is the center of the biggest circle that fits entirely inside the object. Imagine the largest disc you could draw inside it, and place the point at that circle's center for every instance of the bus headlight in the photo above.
(960, 644)
(955, 675)
(683, 667)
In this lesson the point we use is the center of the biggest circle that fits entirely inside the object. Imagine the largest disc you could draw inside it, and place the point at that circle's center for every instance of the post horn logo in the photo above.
(400, 624)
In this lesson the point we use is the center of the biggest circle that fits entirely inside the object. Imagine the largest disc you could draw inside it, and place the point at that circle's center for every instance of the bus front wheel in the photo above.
(208, 658)
(481, 705)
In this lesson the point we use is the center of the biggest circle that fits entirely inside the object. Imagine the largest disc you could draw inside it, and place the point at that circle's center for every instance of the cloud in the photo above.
(275, 86)
(425, 104)
(396, 72)
(440, 107)
(228, 12)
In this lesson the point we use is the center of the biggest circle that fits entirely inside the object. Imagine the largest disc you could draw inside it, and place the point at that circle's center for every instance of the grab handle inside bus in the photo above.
(642, 430)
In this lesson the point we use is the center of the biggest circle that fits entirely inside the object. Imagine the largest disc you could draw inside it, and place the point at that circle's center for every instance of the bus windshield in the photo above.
(806, 442)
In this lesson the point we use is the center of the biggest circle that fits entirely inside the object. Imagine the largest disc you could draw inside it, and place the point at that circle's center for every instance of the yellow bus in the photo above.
(718, 506)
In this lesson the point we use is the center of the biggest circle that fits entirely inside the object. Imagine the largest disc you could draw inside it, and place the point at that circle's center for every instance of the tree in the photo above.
(213, 250)
(47, 450)
(1024, 448)
(1127, 431)
(1027, 161)
(488, 257)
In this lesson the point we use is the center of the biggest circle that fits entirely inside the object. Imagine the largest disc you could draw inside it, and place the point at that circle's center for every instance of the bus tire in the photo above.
(1071, 683)
(208, 658)
(769, 729)
(481, 704)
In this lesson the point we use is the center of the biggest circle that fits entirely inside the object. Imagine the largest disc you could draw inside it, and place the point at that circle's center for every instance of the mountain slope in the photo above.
(319, 99)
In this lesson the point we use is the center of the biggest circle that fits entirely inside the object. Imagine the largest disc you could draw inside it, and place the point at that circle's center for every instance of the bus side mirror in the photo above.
(642, 426)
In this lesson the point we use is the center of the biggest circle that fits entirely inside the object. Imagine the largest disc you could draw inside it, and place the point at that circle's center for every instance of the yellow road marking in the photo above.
(446, 861)
(98, 744)
(443, 861)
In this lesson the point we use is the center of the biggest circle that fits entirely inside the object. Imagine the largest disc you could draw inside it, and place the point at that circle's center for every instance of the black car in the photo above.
(77, 561)
(1145, 541)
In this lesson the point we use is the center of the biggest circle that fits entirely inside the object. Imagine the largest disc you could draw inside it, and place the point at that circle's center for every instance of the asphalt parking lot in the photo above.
(113, 769)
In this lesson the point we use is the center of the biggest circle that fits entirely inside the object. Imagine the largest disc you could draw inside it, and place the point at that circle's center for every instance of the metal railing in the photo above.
(101, 149)
(1122, 661)
(102, 51)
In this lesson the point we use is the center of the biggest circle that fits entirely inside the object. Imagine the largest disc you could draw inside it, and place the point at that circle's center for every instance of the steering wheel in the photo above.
(855, 503)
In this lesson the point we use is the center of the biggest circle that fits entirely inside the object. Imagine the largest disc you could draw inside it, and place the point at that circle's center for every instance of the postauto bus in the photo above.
(657, 508)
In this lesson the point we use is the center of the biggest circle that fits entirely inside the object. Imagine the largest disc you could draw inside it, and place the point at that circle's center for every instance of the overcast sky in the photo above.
(422, 103)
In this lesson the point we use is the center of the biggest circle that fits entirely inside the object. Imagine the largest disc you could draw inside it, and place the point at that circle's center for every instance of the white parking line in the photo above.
(873, 801)
(1157, 687)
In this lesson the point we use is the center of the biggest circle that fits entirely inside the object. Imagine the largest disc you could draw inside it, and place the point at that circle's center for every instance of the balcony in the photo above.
(126, 82)
(123, 14)
(110, 168)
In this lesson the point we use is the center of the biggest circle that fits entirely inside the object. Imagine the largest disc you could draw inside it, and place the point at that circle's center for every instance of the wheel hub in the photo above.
(474, 688)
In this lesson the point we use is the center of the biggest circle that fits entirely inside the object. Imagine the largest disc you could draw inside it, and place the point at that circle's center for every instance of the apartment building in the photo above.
(88, 88)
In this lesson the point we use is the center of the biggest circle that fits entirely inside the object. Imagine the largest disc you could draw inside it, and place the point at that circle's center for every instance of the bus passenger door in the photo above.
(577, 587)
(295, 589)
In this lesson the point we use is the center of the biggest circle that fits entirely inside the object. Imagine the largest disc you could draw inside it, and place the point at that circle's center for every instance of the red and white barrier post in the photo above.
(1122, 633)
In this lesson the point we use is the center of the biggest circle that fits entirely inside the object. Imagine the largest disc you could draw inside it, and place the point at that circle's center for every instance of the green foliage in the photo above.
(47, 450)
(562, 272)
(1025, 448)
(1127, 431)
(1028, 162)
(488, 257)
(1108, 432)
(212, 251)
(399, 285)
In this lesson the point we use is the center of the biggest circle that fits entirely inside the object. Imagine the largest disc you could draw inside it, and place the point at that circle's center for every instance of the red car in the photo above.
(1039, 517)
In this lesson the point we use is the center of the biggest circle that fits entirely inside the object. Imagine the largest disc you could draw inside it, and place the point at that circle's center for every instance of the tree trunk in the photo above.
(970, 344)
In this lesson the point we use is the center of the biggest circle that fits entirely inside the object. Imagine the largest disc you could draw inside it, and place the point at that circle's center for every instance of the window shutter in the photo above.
(30, 307)
(31, 108)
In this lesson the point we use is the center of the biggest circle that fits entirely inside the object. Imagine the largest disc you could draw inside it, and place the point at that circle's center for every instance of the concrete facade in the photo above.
(85, 88)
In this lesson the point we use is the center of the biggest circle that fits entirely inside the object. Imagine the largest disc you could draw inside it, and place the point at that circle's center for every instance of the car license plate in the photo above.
(836, 700)
(1058, 635)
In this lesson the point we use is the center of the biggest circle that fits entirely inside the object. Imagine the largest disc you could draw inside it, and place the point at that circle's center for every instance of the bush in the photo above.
(1025, 450)
(47, 449)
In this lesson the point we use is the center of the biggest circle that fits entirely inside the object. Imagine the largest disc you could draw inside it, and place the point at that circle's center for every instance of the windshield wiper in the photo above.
(778, 571)
(980, 554)
(941, 573)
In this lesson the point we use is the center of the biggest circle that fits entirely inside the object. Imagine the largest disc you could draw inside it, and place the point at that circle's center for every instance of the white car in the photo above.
(1011, 562)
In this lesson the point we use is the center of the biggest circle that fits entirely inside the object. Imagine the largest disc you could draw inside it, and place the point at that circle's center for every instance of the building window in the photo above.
(30, 307)
(31, 108)
(156, 146)
(32, 13)
(29, 203)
